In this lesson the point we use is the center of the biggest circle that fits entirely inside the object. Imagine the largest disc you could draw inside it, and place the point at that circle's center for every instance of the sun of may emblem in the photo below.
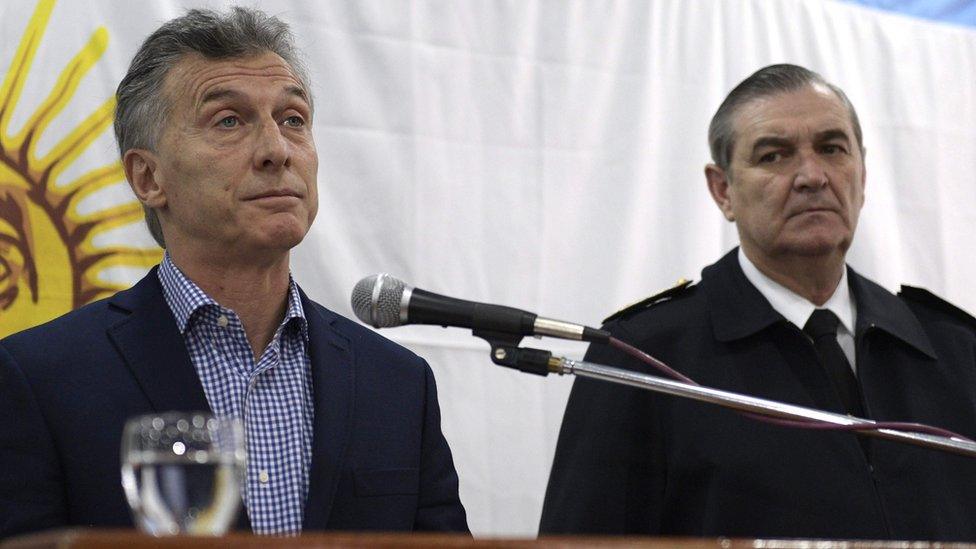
(51, 257)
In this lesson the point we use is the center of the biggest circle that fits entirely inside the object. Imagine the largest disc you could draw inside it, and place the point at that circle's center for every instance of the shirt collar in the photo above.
(796, 308)
(295, 313)
(184, 297)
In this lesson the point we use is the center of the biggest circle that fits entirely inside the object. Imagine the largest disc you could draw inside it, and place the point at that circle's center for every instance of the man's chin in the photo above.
(281, 238)
(817, 247)
(283, 229)
(285, 242)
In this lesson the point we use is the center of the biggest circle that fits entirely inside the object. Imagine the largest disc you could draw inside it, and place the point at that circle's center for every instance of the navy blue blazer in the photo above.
(379, 459)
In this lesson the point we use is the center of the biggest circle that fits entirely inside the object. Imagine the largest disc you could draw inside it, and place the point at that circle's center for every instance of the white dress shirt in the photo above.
(797, 309)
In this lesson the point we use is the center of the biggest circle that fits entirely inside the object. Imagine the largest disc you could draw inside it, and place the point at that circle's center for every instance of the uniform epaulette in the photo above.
(681, 286)
(925, 297)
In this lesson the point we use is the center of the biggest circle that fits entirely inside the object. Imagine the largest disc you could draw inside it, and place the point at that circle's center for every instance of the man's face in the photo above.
(236, 164)
(795, 185)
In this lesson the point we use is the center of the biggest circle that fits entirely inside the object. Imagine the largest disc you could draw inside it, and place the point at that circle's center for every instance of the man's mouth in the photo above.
(276, 193)
(818, 209)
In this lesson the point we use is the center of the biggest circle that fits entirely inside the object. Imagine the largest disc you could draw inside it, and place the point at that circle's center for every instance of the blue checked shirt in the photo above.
(272, 394)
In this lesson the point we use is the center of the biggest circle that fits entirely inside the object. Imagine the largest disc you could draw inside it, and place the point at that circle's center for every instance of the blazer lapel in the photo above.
(153, 349)
(333, 390)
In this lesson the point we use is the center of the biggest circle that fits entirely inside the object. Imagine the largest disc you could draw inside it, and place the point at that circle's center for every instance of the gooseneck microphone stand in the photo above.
(506, 352)
(755, 405)
(383, 301)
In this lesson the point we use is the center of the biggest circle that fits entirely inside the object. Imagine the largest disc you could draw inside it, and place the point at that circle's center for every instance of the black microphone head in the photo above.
(378, 300)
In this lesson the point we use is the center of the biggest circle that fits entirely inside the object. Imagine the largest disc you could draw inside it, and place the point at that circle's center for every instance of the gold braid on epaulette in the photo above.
(664, 295)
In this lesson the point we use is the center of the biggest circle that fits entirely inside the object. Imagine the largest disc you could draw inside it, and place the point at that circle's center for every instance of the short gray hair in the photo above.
(141, 108)
(765, 82)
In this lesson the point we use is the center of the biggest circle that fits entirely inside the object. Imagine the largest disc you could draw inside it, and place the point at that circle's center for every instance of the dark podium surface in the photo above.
(128, 539)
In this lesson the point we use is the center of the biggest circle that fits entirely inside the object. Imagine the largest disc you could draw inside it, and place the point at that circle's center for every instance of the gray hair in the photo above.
(141, 108)
(765, 82)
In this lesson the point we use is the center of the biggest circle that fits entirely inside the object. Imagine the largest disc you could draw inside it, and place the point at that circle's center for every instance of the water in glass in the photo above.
(182, 472)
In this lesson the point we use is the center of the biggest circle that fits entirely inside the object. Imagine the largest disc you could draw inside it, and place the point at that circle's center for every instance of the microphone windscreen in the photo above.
(376, 300)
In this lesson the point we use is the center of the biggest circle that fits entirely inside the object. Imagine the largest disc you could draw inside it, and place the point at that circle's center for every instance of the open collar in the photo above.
(153, 349)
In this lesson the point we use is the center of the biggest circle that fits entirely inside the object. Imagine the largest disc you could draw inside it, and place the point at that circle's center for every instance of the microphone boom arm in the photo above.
(385, 301)
(754, 405)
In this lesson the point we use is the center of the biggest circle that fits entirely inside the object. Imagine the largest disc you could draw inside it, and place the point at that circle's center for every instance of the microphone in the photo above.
(384, 301)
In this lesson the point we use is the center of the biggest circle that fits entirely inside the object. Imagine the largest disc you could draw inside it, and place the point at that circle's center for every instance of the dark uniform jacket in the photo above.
(633, 462)
(379, 460)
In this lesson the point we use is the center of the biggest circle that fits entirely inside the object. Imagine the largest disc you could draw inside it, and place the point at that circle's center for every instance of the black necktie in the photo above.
(822, 327)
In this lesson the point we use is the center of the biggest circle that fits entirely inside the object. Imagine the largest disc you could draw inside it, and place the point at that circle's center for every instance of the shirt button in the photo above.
(263, 477)
(222, 321)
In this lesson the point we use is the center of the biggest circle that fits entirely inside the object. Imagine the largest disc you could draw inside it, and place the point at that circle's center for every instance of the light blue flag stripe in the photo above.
(959, 12)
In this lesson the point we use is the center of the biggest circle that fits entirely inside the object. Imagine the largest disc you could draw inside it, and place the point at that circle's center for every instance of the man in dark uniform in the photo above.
(782, 317)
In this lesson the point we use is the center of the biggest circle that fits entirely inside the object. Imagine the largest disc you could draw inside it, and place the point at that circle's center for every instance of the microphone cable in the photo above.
(909, 427)
(384, 301)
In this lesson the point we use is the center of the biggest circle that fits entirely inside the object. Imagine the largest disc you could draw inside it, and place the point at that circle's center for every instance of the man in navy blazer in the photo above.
(214, 126)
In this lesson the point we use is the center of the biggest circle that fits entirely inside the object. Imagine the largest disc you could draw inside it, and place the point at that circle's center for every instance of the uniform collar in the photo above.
(796, 308)
(738, 309)
(880, 309)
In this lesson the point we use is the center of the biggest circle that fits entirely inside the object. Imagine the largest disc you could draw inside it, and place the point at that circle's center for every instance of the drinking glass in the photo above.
(182, 472)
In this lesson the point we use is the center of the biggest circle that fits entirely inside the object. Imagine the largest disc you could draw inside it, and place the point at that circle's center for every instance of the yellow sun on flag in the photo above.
(49, 260)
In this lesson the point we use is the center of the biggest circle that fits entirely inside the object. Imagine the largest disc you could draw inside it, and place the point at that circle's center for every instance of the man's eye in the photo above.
(832, 149)
(770, 157)
(295, 121)
(229, 122)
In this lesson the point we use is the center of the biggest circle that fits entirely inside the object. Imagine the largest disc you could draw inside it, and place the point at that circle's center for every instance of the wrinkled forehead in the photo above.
(809, 110)
(194, 77)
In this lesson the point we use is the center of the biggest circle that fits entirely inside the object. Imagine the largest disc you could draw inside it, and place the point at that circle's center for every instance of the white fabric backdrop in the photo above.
(549, 154)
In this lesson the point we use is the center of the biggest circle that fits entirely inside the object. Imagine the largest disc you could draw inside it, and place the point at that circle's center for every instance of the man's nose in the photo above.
(810, 174)
(272, 149)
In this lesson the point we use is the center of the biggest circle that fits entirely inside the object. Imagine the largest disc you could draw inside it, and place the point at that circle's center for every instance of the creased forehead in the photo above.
(813, 109)
(196, 78)
(220, 92)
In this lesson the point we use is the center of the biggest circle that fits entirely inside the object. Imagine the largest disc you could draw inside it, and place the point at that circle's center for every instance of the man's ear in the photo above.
(864, 175)
(140, 170)
(718, 186)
